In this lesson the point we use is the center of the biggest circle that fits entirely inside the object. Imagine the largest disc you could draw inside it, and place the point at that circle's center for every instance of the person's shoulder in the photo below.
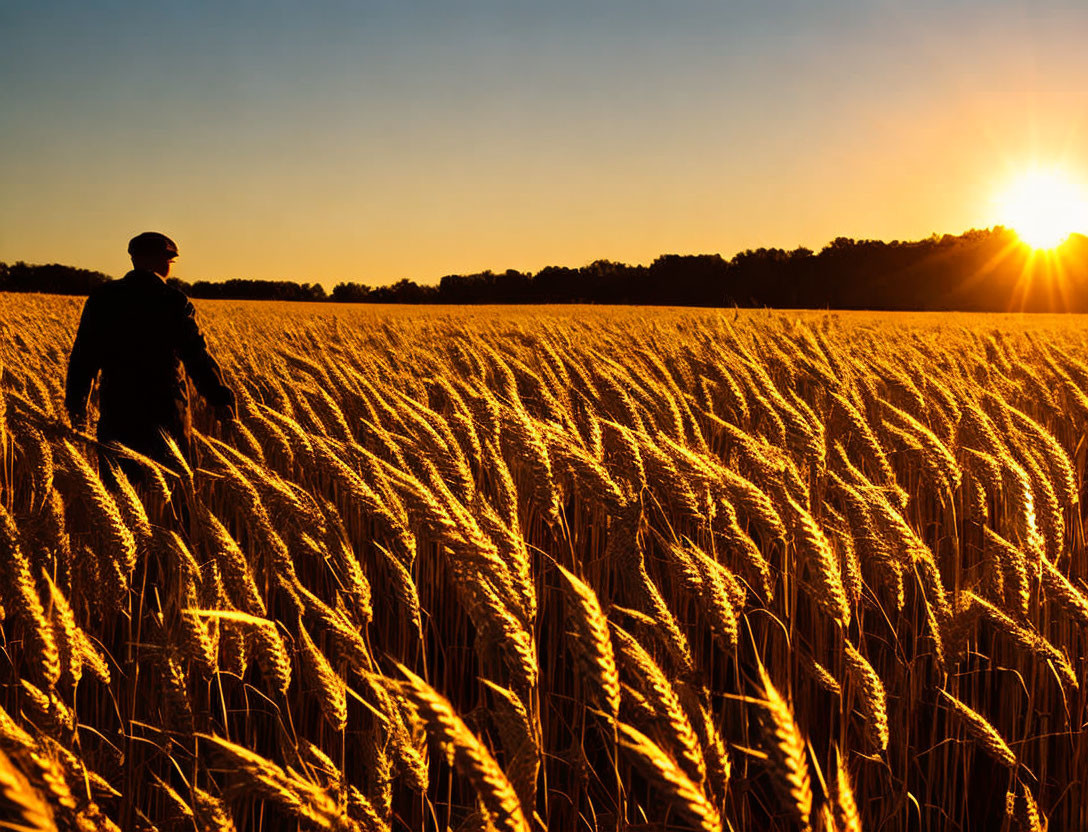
(106, 291)
(175, 294)
(176, 299)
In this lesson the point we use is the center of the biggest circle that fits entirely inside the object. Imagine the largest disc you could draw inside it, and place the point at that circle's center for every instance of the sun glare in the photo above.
(1045, 206)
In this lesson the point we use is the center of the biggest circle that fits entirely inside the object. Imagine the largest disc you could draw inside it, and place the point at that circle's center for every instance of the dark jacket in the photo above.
(142, 335)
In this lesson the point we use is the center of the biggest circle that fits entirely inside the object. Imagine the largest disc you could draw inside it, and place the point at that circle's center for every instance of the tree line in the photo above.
(981, 270)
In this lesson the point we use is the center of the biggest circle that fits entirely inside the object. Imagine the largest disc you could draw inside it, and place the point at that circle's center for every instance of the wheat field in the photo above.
(557, 568)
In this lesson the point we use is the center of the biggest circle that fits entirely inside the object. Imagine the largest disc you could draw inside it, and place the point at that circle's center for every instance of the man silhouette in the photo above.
(142, 334)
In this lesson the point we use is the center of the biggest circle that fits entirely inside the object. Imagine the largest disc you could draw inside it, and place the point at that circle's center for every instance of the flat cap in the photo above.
(152, 243)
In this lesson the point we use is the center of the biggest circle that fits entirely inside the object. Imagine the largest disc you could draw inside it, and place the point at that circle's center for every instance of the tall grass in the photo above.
(557, 569)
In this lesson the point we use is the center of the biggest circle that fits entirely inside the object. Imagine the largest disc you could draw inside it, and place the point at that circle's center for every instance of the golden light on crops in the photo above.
(668, 564)
(1045, 206)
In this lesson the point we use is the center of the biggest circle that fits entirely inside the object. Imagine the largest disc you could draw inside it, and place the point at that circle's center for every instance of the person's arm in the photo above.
(199, 364)
(83, 365)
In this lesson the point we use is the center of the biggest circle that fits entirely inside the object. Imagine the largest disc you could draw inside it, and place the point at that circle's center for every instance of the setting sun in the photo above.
(1045, 206)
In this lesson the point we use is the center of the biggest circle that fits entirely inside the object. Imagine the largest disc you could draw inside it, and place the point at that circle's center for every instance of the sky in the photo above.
(370, 141)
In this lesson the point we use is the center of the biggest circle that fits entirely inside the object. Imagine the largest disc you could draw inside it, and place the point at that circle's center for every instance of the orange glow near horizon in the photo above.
(1044, 206)
(372, 143)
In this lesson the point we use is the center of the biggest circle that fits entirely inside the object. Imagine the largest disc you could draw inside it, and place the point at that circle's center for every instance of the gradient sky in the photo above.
(328, 141)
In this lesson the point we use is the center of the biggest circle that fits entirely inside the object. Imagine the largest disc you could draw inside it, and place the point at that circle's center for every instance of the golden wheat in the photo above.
(240, 640)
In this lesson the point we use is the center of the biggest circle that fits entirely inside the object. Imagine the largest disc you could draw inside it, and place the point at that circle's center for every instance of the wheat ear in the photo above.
(467, 754)
(982, 731)
(658, 767)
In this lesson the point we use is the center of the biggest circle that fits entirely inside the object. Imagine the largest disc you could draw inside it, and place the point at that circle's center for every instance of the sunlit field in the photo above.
(563, 568)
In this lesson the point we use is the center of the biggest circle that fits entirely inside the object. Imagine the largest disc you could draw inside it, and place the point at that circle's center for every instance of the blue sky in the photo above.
(373, 141)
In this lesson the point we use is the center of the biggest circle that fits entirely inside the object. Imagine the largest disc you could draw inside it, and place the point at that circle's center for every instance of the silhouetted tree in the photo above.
(404, 291)
(52, 278)
(979, 270)
(240, 289)
(350, 293)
